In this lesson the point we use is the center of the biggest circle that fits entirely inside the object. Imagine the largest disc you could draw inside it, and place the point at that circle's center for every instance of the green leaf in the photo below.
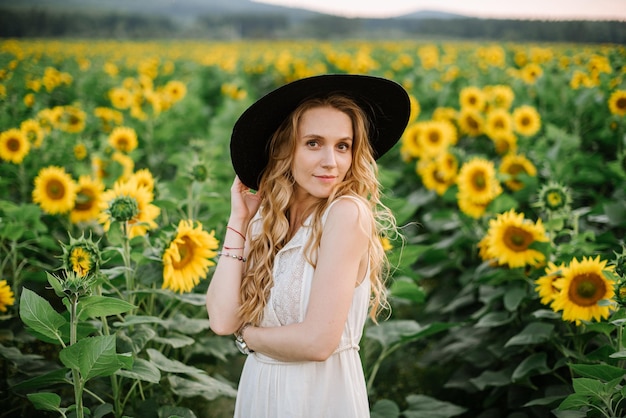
(171, 366)
(131, 320)
(403, 331)
(422, 406)
(490, 378)
(55, 282)
(385, 408)
(494, 319)
(546, 401)
(574, 401)
(40, 317)
(93, 356)
(175, 340)
(533, 333)
(514, 296)
(406, 288)
(101, 306)
(204, 386)
(603, 372)
(47, 379)
(534, 363)
(142, 370)
(588, 387)
(46, 401)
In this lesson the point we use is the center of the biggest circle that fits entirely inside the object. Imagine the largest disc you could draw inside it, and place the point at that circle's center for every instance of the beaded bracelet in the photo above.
(235, 256)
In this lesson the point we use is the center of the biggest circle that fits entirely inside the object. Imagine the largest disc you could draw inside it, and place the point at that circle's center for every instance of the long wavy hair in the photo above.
(277, 186)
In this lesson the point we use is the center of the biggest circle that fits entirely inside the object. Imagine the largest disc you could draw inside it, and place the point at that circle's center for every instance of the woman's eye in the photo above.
(344, 146)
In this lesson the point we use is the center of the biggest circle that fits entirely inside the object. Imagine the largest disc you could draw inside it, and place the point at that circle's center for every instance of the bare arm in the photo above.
(222, 298)
(342, 261)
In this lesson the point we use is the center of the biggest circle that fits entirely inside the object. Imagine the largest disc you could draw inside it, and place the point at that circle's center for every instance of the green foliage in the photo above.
(466, 336)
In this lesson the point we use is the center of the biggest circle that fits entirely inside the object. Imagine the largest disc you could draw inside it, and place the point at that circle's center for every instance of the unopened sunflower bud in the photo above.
(123, 208)
(199, 173)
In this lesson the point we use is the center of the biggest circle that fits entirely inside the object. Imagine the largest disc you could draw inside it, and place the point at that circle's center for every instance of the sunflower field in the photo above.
(508, 293)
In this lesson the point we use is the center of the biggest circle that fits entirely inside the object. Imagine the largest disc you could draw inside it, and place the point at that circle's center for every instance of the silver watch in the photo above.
(241, 345)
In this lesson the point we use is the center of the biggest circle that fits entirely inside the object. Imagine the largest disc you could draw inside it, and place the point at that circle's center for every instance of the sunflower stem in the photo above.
(128, 272)
(78, 384)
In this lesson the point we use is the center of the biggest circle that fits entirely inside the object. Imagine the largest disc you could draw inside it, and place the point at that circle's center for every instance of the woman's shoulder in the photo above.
(349, 207)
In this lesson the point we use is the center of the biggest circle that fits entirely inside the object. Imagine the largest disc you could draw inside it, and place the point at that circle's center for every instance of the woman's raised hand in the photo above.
(244, 203)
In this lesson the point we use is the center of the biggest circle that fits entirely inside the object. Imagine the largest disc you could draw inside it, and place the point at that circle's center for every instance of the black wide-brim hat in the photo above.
(385, 102)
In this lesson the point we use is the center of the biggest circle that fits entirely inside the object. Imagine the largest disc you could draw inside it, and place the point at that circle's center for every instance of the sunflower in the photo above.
(144, 178)
(554, 197)
(80, 151)
(469, 207)
(514, 165)
(433, 177)
(471, 121)
(108, 118)
(88, 200)
(14, 146)
(434, 138)
(477, 181)
(7, 298)
(584, 286)
(549, 285)
(510, 237)
(175, 90)
(617, 102)
(143, 214)
(410, 144)
(415, 109)
(123, 139)
(72, 119)
(505, 142)
(472, 97)
(498, 123)
(187, 258)
(33, 131)
(530, 73)
(55, 191)
(444, 113)
(121, 98)
(500, 96)
(526, 120)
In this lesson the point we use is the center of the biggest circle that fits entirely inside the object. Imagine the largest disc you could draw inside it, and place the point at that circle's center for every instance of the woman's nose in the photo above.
(328, 158)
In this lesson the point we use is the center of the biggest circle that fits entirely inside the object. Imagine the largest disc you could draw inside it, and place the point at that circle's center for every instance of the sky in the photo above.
(499, 9)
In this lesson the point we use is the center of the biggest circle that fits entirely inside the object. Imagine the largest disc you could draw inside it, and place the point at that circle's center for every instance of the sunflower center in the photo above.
(516, 169)
(554, 199)
(498, 124)
(479, 181)
(186, 252)
(55, 189)
(525, 121)
(621, 103)
(84, 200)
(586, 289)
(434, 137)
(472, 123)
(14, 144)
(517, 239)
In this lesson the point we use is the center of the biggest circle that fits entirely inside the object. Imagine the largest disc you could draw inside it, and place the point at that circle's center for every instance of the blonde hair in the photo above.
(277, 187)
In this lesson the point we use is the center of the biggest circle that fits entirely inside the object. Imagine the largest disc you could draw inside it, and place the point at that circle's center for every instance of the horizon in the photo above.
(494, 9)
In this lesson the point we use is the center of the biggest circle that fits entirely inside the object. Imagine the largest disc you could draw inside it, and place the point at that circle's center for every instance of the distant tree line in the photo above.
(44, 24)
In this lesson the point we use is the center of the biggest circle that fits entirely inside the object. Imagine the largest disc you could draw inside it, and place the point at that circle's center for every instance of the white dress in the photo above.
(334, 388)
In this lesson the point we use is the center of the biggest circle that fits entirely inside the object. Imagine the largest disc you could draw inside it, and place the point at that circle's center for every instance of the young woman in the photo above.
(302, 261)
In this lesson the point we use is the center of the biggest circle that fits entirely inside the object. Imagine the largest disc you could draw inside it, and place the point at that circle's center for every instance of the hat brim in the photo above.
(384, 101)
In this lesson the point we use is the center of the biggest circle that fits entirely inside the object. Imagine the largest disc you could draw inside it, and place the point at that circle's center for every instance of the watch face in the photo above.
(241, 345)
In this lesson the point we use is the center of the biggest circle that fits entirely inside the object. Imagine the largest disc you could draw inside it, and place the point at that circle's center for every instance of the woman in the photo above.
(302, 259)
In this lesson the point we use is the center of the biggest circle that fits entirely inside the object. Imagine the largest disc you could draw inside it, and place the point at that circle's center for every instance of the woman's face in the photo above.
(323, 152)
